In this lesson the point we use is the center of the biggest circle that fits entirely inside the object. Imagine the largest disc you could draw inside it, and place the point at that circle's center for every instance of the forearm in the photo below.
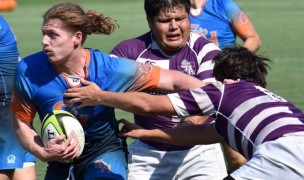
(137, 102)
(29, 139)
(252, 43)
(189, 135)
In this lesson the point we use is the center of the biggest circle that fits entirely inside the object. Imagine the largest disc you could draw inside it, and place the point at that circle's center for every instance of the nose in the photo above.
(45, 40)
(173, 24)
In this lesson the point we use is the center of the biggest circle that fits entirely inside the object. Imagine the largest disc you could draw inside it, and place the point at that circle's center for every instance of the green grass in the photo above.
(279, 24)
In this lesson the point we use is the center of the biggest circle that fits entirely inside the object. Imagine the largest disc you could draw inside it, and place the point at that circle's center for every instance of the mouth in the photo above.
(173, 37)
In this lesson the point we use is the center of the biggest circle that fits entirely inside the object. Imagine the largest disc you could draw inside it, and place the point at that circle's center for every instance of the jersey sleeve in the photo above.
(128, 75)
(21, 105)
(232, 10)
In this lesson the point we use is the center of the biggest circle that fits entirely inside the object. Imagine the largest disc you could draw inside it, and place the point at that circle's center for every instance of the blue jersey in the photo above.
(39, 88)
(214, 21)
(8, 61)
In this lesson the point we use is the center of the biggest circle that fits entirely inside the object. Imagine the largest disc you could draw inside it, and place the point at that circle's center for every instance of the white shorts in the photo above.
(200, 162)
(273, 160)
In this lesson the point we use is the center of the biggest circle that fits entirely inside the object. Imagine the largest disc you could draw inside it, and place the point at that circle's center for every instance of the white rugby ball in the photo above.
(59, 122)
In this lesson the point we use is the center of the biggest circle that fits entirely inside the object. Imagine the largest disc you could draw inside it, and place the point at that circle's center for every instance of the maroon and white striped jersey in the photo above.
(246, 115)
(194, 59)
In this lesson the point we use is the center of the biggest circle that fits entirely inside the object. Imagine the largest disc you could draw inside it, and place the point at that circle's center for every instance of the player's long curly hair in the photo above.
(75, 19)
(239, 63)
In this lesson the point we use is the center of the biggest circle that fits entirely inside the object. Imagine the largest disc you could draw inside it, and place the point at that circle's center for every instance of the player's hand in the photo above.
(60, 150)
(85, 96)
(131, 130)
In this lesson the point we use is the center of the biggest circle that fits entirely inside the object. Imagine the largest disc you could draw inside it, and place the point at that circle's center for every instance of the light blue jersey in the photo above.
(39, 88)
(12, 155)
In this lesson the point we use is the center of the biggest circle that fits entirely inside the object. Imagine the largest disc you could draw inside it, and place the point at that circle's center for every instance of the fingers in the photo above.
(61, 149)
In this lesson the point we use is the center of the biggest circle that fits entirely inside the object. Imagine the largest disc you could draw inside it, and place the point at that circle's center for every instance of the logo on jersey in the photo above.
(187, 67)
(243, 18)
(11, 159)
(146, 67)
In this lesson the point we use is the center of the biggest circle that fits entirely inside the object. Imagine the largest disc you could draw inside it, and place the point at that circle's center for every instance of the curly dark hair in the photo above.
(238, 62)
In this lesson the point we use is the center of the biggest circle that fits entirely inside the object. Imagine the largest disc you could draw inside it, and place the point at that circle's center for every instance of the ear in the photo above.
(77, 38)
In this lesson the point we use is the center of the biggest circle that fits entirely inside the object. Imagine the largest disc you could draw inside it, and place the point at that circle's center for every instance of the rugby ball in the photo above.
(60, 122)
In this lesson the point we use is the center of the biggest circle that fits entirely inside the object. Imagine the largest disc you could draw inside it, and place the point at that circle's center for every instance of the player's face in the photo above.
(58, 43)
(171, 29)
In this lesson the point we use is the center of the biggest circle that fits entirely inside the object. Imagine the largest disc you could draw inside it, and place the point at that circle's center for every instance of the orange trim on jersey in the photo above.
(149, 78)
(8, 5)
(242, 26)
(22, 110)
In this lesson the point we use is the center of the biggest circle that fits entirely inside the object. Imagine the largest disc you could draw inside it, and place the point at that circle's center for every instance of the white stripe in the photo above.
(203, 101)
(193, 38)
(178, 104)
(254, 122)
(206, 49)
(239, 111)
(275, 125)
(207, 65)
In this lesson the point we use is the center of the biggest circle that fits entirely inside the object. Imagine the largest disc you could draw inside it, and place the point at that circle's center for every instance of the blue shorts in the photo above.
(12, 155)
(111, 164)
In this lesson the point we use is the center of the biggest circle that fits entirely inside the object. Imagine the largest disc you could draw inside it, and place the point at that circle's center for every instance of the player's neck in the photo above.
(76, 66)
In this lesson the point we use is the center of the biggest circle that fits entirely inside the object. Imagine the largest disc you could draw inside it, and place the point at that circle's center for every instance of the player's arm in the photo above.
(55, 150)
(189, 135)
(91, 94)
(28, 137)
(243, 28)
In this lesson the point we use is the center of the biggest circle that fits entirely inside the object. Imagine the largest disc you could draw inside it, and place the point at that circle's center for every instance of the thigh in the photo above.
(29, 172)
(111, 164)
(6, 174)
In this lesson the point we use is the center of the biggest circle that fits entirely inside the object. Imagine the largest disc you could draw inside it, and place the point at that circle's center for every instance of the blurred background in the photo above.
(280, 24)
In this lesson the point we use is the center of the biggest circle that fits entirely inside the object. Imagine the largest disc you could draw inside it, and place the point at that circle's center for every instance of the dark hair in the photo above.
(75, 19)
(153, 7)
(238, 62)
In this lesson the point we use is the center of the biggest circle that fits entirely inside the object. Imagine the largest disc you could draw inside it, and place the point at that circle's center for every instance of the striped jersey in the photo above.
(39, 88)
(246, 115)
(9, 56)
(194, 59)
(214, 20)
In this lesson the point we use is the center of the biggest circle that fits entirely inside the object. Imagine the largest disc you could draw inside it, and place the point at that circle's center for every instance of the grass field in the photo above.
(278, 22)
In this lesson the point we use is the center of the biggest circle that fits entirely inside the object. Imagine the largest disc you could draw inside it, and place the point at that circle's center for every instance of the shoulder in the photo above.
(33, 61)
(199, 43)
(131, 48)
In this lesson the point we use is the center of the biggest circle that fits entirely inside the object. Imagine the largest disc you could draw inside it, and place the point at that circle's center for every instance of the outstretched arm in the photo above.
(91, 94)
(135, 102)
(187, 135)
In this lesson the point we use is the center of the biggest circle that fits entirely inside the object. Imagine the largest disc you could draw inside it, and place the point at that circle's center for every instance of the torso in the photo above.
(194, 59)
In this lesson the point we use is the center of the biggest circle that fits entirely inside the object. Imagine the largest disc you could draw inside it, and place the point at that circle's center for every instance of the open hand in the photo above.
(85, 96)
